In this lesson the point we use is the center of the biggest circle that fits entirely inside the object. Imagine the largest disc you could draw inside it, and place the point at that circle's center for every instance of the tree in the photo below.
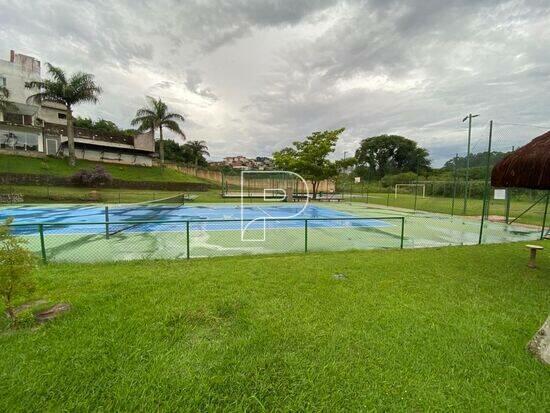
(5, 104)
(309, 157)
(198, 151)
(476, 160)
(174, 152)
(157, 116)
(79, 88)
(380, 155)
(17, 264)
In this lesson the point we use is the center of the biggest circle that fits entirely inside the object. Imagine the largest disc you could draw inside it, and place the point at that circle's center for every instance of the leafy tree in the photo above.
(198, 151)
(102, 126)
(5, 104)
(380, 155)
(17, 265)
(476, 160)
(156, 116)
(79, 88)
(173, 151)
(309, 157)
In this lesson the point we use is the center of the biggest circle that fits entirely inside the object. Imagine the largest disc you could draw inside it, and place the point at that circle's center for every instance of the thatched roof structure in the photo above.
(527, 167)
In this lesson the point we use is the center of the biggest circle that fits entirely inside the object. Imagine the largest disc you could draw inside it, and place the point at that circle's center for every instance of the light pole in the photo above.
(466, 183)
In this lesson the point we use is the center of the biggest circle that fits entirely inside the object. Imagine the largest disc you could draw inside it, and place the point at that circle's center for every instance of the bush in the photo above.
(402, 178)
(17, 266)
(94, 177)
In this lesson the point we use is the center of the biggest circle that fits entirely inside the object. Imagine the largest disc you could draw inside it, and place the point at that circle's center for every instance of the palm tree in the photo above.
(198, 150)
(156, 115)
(78, 88)
(5, 104)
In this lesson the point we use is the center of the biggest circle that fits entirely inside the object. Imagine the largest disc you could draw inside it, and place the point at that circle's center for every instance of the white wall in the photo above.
(17, 73)
(50, 114)
(110, 157)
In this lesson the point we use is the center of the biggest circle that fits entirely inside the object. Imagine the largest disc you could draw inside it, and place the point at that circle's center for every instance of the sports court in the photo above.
(95, 233)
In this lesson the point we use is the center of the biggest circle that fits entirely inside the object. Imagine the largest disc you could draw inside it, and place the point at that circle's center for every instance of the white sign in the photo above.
(500, 194)
(357, 179)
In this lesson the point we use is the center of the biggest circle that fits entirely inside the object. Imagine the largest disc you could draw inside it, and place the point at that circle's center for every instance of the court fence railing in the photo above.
(301, 235)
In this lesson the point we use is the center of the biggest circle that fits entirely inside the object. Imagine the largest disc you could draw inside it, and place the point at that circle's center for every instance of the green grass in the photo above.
(63, 194)
(60, 167)
(435, 329)
(444, 205)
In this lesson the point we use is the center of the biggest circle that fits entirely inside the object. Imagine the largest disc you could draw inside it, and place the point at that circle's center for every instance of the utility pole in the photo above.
(466, 183)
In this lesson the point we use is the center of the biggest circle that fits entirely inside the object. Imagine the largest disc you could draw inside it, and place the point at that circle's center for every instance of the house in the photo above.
(239, 162)
(242, 162)
(40, 130)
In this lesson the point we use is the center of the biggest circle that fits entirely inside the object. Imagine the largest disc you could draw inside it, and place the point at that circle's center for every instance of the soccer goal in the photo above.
(422, 186)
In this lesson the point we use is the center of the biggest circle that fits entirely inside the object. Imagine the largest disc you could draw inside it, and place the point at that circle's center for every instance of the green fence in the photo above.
(126, 240)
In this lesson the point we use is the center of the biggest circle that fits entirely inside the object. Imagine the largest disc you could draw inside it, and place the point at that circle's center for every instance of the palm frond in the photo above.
(145, 112)
(174, 116)
(173, 126)
(56, 73)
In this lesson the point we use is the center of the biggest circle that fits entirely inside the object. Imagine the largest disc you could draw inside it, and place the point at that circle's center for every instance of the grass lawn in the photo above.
(444, 205)
(60, 167)
(433, 329)
(64, 194)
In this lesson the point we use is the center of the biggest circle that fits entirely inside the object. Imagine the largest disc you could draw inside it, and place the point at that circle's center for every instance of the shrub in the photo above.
(402, 178)
(94, 177)
(17, 266)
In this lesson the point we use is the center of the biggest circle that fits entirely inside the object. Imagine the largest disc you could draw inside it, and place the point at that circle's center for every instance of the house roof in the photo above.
(527, 167)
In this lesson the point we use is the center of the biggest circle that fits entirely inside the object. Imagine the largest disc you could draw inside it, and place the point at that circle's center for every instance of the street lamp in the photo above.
(466, 183)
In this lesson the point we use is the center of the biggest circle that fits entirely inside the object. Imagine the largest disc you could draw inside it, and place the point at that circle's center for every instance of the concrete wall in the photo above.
(235, 180)
(110, 157)
(17, 71)
(145, 141)
(49, 113)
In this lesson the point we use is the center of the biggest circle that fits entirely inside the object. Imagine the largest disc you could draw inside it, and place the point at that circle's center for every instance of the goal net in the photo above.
(410, 189)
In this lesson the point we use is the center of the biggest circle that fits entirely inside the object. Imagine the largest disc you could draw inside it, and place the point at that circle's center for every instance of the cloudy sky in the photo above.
(253, 76)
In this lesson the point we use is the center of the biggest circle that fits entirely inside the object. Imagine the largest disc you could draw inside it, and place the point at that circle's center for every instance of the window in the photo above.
(32, 142)
(62, 116)
(3, 81)
(22, 141)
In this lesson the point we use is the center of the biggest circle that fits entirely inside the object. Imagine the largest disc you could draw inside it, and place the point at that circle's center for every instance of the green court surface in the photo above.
(173, 241)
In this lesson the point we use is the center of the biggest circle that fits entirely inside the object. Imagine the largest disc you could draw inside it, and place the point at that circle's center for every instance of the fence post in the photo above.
(42, 244)
(486, 189)
(187, 243)
(106, 222)
(544, 217)
(305, 235)
(508, 199)
(454, 186)
(402, 231)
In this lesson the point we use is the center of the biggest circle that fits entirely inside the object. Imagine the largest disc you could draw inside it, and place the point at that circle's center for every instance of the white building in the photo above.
(40, 130)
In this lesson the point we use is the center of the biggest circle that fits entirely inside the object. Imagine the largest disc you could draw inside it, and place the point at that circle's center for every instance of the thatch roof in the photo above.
(527, 167)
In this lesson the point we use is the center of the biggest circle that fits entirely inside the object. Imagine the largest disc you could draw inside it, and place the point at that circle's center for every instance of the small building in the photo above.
(40, 130)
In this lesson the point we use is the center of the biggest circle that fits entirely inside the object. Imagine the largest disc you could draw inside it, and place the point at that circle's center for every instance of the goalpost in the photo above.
(423, 186)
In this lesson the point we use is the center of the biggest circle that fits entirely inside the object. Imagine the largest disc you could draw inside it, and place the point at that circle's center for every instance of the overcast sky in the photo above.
(253, 76)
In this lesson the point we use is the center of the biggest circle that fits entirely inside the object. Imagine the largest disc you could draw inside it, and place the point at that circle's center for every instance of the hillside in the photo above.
(60, 167)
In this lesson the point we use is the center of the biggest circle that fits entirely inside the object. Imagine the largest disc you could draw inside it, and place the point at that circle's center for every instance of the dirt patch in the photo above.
(53, 312)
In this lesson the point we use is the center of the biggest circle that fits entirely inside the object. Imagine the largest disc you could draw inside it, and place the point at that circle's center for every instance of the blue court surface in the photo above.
(226, 217)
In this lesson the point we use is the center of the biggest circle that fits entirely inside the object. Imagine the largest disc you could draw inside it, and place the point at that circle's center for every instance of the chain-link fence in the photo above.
(130, 240)
(461, 191)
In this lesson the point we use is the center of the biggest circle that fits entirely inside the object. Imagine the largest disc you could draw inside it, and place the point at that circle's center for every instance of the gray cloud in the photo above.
(253, 76)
